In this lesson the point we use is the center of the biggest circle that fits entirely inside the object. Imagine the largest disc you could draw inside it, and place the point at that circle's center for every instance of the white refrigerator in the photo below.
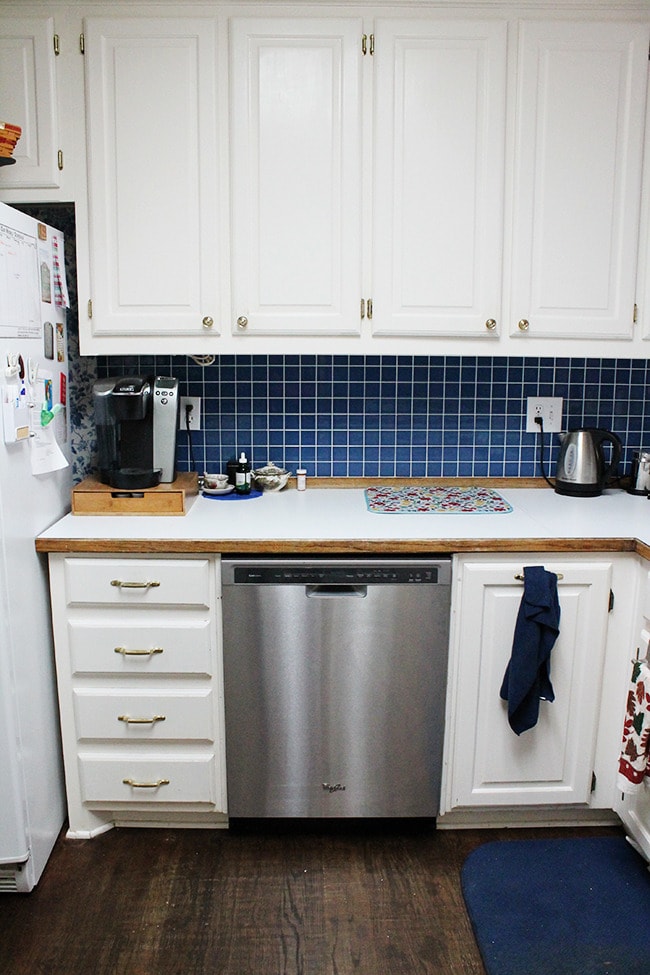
(35, 484)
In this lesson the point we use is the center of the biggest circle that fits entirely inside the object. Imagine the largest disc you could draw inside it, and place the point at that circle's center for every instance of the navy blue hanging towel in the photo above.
(527, 679)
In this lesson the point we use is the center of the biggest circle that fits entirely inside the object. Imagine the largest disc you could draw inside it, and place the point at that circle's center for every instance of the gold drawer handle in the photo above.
(129, 720)
(145, 785)
(520, 576)
(137, 653)
(134, 585)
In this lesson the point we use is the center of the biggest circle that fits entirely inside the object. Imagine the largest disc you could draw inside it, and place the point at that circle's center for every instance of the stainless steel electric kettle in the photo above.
(581, 467)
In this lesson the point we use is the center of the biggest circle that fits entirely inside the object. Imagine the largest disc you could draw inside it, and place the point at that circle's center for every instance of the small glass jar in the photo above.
(301, 479)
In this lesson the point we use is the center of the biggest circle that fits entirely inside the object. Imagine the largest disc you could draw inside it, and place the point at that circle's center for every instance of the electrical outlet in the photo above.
(549, 408)
(195, 415)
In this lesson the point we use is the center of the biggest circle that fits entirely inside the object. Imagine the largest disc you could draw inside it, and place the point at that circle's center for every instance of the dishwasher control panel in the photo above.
(337, 573)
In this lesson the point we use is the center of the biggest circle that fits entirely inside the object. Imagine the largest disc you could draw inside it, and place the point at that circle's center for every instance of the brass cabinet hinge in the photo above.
(55, 45)
(635, 314)
(368, 44)
(59, 159)
(366, 308)
(82, 44)
(610, 606)
(90, 308)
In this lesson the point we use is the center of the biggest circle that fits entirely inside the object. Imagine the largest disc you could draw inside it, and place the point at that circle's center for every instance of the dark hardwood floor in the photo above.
(334, 899)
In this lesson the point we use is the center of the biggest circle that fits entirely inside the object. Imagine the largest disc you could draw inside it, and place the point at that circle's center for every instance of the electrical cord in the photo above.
(540, 423)
(188, 412)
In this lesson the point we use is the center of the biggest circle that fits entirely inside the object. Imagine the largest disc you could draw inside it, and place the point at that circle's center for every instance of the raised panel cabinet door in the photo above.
(439, 118)
(28, 99)
(152, 174)
(552, 762)
(295, 176)
(577, 178)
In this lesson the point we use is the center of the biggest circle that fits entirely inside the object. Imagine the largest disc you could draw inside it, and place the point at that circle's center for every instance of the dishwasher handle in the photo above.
(324, 590)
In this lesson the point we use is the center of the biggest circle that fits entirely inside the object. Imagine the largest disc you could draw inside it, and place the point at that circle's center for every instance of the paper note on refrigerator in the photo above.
(46, 455)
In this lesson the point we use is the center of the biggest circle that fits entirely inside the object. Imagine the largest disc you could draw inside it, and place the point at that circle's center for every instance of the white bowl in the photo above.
(271, 478)
(215, 481)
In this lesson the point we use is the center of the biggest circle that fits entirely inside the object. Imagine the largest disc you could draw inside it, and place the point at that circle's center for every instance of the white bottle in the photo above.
(301, 479)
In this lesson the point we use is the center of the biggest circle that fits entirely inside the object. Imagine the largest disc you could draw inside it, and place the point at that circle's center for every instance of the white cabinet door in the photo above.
(28, 98)
(581, 91)
(153, 175)
(296, 176)
(440, 101)
(552, 763)
(634, 808)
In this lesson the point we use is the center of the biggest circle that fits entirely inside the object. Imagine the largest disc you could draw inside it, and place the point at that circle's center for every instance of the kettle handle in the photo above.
(600, 436)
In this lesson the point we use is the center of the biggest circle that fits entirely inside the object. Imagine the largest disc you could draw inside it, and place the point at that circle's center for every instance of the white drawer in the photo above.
(144, 716)
(139, 648)
(137, 582)
(163, 779)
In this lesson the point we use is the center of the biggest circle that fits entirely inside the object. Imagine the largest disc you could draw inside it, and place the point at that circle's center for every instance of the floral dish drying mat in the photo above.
(436, 500)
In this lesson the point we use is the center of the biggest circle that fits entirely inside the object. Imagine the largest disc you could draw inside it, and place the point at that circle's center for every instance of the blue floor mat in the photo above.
(559, 907)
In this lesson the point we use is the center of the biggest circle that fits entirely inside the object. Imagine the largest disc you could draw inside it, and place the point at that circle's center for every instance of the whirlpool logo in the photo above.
(333, 788)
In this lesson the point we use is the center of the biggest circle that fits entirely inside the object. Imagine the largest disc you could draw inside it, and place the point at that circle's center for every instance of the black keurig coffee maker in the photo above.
(136, 419)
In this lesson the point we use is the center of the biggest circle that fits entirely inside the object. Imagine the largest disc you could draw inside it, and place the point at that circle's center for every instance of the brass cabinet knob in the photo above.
(208, 322)
(242, 321)
(524, 325)
(491, 324)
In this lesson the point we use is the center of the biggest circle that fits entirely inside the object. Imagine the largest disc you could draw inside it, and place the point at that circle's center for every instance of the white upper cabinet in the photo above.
(28, 98)
(439, 123)
(152, 177)
(298, 178)
(581, 90)
(295, 159)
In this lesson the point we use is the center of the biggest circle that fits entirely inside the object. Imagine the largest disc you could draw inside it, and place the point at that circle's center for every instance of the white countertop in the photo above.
(329, 519)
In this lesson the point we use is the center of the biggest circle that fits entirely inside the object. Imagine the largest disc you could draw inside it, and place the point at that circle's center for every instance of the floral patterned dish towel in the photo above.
(634, 763)
(386, 500)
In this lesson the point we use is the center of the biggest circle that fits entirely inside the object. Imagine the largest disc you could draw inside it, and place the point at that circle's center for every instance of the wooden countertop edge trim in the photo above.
(329, 546)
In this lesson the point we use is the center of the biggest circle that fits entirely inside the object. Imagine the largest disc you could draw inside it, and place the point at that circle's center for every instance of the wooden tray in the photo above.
(91, 497)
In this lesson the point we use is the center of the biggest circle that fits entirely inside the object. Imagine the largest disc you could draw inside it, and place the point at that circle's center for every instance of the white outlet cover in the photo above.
(550, 410)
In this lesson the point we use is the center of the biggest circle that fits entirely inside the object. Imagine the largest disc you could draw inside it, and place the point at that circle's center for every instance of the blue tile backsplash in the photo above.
(405, 416)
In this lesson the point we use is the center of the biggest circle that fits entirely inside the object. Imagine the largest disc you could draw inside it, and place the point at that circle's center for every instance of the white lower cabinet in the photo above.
(486, 763)
(139, 669)
(634, 808)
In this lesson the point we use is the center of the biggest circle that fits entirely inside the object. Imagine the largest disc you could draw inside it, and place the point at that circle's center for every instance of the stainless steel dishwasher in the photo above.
(335, 674)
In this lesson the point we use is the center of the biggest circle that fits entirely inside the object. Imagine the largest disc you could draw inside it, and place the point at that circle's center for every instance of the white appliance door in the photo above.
(32, 797)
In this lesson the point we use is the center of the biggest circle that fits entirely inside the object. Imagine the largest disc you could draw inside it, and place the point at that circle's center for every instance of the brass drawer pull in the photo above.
(520, 577)
(129, 720)
(134, 585)
(145, 785)
(137, 653)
